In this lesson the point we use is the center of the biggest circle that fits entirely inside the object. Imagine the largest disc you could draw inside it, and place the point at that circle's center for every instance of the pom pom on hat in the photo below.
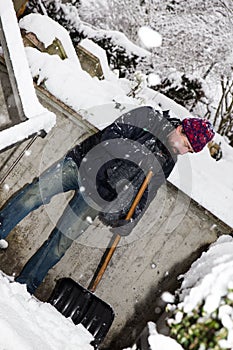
(198, 131)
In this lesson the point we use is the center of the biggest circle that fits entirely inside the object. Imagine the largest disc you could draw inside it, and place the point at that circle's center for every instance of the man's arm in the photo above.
(124, 227)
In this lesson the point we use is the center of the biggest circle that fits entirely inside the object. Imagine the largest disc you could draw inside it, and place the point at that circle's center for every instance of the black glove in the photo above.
(123, 227)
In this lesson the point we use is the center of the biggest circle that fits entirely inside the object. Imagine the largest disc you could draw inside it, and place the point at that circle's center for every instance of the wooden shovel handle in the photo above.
(111, 250)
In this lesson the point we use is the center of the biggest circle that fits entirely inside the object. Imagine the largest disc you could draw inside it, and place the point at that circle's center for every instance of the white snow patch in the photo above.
(3, 244)
(37, 23)
(149, 37)
(160, 341)
(209, 277)
(28, 324)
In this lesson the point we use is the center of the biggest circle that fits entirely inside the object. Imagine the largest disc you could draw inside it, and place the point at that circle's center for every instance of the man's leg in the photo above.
(73, 222)
(60, 177)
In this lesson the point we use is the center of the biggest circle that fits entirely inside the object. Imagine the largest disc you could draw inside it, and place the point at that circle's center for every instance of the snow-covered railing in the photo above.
(33, 116)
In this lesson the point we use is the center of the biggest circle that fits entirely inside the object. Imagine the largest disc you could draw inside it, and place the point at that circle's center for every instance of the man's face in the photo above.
(178, 142)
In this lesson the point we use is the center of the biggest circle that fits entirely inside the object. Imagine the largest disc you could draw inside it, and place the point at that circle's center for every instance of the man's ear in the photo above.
(179, 129)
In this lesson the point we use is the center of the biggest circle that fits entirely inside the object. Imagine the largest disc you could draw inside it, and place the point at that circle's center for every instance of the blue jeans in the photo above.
(61, 177)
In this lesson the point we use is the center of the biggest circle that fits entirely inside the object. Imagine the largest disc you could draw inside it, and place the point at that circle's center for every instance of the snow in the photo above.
(3, 244)
(62, 77)
(149, 37)
(153, 79)
(210, 276)
(119, 40)
(208, 279)
(23, 319)
(160, 341)
(91, 93)
(97, 51)
(28, 324)
(39, 118)
(36, 24)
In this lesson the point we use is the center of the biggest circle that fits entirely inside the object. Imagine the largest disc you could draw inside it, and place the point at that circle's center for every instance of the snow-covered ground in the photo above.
(25, 323)
(28, 324)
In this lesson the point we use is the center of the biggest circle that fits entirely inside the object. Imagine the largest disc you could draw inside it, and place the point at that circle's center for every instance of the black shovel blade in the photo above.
(73, 300)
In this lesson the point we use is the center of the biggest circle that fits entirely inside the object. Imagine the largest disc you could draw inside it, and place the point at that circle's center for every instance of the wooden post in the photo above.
(19, 6)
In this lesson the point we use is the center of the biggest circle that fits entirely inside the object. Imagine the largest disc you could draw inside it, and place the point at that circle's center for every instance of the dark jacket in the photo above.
(114, 162)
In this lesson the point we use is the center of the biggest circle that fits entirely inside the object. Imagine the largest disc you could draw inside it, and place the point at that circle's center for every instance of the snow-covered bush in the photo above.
(121, 55)
(200, 330)
(183, 89)
(223, 120)
(197, 35)
(203, 317)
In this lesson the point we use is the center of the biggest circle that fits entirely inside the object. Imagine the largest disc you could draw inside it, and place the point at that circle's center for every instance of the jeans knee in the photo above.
(62, 246)
(31, 199)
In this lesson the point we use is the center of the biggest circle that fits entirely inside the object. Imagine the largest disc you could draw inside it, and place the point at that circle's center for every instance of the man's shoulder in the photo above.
(147, 108)
(146, 112)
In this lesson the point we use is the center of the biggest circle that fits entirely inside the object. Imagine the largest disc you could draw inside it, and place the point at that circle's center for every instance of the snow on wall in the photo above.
(37, 23)
(101, 54)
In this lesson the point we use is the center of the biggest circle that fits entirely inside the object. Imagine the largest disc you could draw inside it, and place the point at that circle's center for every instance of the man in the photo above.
(106, 171)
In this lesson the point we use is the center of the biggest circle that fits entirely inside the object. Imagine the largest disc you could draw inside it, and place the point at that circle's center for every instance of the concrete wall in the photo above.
(147, 262)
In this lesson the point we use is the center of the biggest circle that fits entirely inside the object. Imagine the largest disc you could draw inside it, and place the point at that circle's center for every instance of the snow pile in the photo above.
(28, 324)
(160, 341)
(208, 281)
(37, 23)
(206, 295)
(210, 277)
(118, 39)
(39, 118)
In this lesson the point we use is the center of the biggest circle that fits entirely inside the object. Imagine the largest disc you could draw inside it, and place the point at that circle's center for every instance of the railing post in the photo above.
(13, 82)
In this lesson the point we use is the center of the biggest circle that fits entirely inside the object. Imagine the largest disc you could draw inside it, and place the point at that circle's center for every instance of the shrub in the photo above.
(200, 330)
(183, 89)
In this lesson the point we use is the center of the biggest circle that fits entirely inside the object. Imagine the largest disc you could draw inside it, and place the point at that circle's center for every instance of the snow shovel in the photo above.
(82, 305)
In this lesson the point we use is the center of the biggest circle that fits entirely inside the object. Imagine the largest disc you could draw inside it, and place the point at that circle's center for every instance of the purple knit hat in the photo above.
(198, 131)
